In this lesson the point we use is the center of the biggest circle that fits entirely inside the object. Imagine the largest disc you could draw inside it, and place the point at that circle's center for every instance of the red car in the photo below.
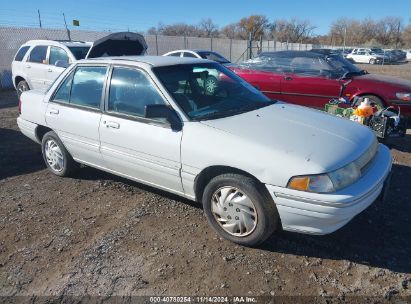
(312, 79)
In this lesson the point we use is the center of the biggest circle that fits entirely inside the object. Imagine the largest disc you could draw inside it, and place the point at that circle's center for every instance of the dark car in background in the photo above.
(202, 54)
(312, 79)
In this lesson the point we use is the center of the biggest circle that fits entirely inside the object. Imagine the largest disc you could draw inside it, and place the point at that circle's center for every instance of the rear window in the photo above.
(20, 54)
(213, 56)
(79, 52)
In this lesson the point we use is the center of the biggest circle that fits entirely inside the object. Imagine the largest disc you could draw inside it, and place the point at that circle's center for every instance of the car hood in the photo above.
(385, 79)
(305, 141)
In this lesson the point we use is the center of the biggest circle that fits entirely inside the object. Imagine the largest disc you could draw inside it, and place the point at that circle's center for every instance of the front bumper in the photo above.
(316, 213)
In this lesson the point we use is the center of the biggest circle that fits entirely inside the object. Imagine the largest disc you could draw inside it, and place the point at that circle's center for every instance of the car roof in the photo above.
(195, 51)
(154, 61)
(288, 54)
(67, 43)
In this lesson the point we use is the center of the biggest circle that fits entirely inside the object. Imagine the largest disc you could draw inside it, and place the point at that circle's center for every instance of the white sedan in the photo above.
(256, 165)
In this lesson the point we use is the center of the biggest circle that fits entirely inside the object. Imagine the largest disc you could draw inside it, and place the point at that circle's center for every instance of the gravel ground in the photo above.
(97, 234)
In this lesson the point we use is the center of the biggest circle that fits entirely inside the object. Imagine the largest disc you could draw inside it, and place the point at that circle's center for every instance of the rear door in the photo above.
(36, 67)
(74, 112)
(146, 150)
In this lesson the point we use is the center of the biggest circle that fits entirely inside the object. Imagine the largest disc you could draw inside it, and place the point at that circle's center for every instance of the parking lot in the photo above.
(98, 234)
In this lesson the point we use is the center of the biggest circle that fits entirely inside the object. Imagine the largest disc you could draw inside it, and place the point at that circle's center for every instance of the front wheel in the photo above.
(211, 84)
(372, 61)
(240, 209)
(378, 102)
(57, 158)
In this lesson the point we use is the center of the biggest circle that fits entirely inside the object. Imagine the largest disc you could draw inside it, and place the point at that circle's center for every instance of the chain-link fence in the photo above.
(235, 50)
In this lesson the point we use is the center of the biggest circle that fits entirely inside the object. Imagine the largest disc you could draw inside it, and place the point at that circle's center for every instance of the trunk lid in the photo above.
(118, 44)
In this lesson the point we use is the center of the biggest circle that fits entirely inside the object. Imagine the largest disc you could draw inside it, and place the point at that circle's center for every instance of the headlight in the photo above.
(345, 176)
(335, 180)
(312, 183)
(404, 96)
(326, 183)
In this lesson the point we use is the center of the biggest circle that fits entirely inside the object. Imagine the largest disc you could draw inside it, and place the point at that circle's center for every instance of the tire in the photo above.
(211, 84)
(22, 86)
(372, 61)
(375, 99)
(227, 195)
(56, 156)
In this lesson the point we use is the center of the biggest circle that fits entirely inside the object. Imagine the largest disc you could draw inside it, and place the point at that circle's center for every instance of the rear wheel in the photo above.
(372, 61)
(22, 86)
(57, 158)
(240, 209)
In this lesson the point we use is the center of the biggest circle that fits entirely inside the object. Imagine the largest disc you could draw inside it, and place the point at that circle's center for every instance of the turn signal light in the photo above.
(299, 183)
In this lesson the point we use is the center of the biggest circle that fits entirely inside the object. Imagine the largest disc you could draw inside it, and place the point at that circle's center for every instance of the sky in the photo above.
(141, 15)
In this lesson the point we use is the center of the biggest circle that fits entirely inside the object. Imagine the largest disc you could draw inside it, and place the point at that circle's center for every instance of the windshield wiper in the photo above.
(235, 111)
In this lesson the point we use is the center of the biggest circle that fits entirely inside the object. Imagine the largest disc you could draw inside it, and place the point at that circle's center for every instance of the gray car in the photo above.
(256, 165)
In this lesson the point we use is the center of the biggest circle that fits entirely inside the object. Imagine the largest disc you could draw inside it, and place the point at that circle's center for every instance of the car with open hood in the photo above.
(38, 63)
(313, 79)
(256, 165)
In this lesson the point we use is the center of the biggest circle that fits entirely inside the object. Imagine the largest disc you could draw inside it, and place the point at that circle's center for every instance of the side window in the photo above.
(87, 86)
(308, 66)
(130, 91)
(177, 54)
(56, 54)
(187, 54)
(20, 54)
(38, 54)
(63, 93)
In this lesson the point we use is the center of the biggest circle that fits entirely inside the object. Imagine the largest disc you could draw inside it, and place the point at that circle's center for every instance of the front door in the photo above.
(74, 112)
(306, 90)
(309, 82)
(143, 149)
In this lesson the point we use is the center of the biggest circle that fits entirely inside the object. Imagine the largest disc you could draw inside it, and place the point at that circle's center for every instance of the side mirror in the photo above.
(61, 64)
(164, 111)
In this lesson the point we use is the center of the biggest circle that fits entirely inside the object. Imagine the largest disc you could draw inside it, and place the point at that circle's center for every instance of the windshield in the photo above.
(209, 90)
(79, 52)
(342, 66)
(213, 56)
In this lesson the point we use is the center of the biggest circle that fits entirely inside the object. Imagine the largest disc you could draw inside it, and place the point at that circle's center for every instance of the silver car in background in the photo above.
(256, 165)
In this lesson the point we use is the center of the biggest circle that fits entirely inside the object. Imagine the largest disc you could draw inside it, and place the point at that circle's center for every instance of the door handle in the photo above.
(112, 124)
(288, 78)
(54, 111)
(49, 70)
(28, 66)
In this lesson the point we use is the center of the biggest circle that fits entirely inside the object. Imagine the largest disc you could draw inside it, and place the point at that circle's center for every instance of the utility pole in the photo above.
(345, 36)
(398, 35)
(38, 11)
(68, 31)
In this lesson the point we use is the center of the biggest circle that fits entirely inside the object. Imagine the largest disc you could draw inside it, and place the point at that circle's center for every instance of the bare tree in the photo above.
(208, 28)
(294, 30)
(230, 31)
(180, 29)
